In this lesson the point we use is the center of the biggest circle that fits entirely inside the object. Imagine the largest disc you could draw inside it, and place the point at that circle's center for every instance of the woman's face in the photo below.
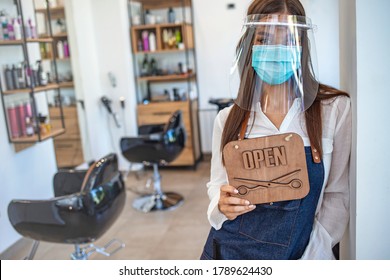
(276, 35)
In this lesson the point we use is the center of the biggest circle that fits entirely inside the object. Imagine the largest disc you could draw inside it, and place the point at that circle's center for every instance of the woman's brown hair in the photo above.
(313, 113)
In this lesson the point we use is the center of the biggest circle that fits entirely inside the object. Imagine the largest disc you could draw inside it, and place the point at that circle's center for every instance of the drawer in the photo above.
(68, 153)
(69, 112)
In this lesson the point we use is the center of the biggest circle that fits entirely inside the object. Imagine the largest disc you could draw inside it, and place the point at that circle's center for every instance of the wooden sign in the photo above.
(268, 169)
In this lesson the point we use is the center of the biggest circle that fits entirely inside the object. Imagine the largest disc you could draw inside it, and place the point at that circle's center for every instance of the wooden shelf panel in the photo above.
(34, 138)
(28, 90)
(52, 10)
(158, 4)
(159, 25)
(164, 51)
(60, 35)
(10, 42)
(40, 40)
(55, 12)
(167, 78)
(66, 84)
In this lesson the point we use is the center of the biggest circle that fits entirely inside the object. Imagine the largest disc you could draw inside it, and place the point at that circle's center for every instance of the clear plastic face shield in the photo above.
(275, 64)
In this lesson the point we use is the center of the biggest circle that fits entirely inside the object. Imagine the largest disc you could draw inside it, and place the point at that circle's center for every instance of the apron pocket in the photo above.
(271, 223)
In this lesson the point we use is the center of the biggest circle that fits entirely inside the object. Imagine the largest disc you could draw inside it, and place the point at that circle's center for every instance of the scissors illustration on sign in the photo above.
(274, 183)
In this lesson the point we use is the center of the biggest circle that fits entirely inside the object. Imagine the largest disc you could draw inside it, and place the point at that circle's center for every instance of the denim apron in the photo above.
(272, 231)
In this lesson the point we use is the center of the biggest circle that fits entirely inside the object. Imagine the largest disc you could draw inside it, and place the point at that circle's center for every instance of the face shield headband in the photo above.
(275, 64)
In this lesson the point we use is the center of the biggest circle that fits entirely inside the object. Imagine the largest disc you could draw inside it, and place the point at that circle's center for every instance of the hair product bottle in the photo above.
(145, 66)
(15, 78)
(13, 121)
(152, 42)
(33, 29)
(60, 50)
(171, 15)
(8, 78)
(21, 76)
(66, 49)
(145, 39)
(17, 29)
(165, 38)
(10, 27)
(21, 118)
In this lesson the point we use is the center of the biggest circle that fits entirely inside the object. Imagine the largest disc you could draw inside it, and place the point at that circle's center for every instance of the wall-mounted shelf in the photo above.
(35, 138)
(55, 12)
(10, 42)
(66, 85)
(167, 78)
(33, 90)
(26, 113)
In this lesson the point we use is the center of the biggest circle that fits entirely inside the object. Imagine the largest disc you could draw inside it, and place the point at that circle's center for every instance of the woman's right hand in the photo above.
(232, 206)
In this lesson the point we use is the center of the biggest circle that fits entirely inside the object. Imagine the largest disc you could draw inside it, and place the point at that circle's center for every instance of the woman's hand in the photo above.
(232, 206)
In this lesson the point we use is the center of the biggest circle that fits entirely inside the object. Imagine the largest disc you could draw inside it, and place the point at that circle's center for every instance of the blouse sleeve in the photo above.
(333, 214)
(218, 176)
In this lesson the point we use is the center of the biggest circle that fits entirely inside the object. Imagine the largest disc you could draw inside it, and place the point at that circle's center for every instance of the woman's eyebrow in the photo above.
(263, 33)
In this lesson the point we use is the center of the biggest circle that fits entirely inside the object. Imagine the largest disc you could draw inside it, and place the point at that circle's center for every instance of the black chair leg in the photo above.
(158, 200)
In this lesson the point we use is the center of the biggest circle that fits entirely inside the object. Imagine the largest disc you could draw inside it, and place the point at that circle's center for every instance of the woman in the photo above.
(278, 93)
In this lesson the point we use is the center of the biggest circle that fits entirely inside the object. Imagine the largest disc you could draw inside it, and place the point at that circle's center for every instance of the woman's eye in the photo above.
(263, 41)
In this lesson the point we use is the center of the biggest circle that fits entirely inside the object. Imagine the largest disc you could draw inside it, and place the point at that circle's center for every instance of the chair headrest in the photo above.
(102, 171)
(174, 121)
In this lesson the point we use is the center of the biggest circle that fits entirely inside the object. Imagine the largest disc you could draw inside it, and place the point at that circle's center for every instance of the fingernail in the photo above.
(252, 206)
(247, 202)
(235, 191)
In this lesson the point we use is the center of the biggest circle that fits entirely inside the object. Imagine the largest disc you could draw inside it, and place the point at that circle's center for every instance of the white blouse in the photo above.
(332, 213)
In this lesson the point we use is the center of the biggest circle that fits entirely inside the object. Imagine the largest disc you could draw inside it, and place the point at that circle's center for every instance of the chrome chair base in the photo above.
(153, 202)
(83, 253)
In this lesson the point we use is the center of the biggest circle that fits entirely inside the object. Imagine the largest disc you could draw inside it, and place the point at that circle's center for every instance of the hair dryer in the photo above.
(107, 104)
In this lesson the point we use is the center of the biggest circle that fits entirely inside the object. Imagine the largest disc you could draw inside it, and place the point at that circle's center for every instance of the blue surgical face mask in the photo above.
(275, 64)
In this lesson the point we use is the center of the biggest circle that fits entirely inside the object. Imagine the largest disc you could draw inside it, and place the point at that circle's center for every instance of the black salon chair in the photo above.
(85, 206)
(156, 145)
(221, 102)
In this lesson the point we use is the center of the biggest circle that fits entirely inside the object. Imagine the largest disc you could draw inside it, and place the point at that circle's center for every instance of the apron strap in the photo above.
(314, 151)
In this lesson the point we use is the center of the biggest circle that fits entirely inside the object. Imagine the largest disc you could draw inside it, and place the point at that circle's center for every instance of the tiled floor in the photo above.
(177, 234)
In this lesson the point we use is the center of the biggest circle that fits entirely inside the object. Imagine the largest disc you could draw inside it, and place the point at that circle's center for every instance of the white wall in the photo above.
(366, 75)
(373, 99)
(29, 173)
(99, 36)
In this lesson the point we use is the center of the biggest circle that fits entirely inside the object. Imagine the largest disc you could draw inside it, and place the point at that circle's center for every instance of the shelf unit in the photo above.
(68, 147)
(170, 83)
(20, 132)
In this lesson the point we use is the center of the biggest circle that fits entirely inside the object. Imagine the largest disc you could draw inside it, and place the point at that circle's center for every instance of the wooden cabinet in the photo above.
(156, 113)
(68, 146)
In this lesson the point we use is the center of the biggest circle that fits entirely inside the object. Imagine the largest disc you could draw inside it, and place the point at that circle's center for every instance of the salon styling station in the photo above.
(165, 72)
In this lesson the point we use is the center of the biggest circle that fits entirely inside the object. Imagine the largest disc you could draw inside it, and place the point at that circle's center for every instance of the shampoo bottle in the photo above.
(66, 49)
(13, 121)
(145, 39)
(17, 29)
(60, 50)
(152, 42)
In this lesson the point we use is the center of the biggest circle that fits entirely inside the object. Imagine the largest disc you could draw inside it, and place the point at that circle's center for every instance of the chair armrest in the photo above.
(33, 212)
(43, 219)
(67, 182)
